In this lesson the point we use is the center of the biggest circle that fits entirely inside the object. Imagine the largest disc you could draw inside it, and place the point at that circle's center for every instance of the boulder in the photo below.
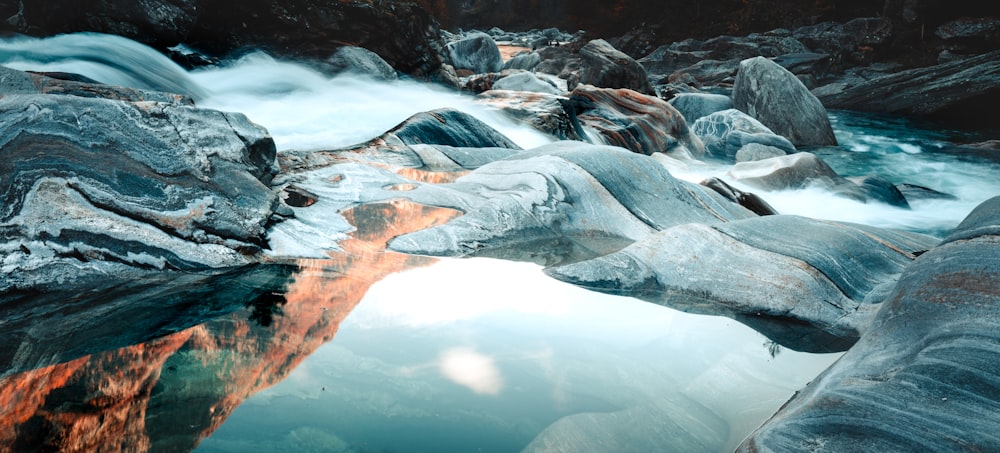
(808, 285)
(606, 67)
(756, 151)
(168, 187)
(476, 52)
(526, 81)
(709, 72)
(666, 59)
(359, 60)
(697, 105)
(725, 133)
(17, 82)
(924, 376)
(545, 112)
(748, 200)
(643, 124)
(526, 61)
(793, 171)
(775, 97)
(561, 202)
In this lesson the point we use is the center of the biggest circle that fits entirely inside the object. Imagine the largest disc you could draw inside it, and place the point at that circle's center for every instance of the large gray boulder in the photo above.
(775, 97)
(476, 52)
(807, 284)
(606, 67)
(92, 187)
(561, 202)
(725, 133)
(526, 81)
(924, 377)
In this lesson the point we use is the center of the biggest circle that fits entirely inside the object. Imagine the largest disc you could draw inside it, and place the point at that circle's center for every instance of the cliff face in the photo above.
(171, 392)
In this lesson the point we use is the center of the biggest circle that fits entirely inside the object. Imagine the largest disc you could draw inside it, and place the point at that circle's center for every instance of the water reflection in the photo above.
(161, 365)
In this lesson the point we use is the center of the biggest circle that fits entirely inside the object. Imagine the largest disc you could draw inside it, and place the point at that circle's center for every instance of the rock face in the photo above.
(565, 199)
(643, 124)
(725, 133)
(809, 285)
(606, 67)
(924, 376)
(950, 88)
(402, 33)
(93, 186)
(781, 102)
(477, 53)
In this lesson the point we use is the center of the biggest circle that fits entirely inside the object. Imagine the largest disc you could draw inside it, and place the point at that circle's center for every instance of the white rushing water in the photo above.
(307, 110)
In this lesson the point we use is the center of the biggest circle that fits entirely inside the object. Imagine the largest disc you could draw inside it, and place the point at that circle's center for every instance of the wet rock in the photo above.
(946, 88)
(748, 200)
(607, 67)
(587, 198)
(697, 105)
(362, 61)
(725, 133)
(755, 151)
(476, 52)
(804, 283)
(526, 81)
(545, 112)
(926, 366)
(913, 192)
(527, 61)
(793, 171)
(775, 97)
(18, 82)
(880, 190)
(168, 187)
(643, 124)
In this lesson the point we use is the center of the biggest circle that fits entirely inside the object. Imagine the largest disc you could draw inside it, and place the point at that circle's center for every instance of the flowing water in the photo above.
(375, 351)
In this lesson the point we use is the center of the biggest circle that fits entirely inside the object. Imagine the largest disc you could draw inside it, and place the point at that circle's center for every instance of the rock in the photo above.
(725, 133)
(880, 190)
(362, 61)
(606, 67)
(697, 105)
(544, 112)
(912, 192)
(709, 72)
(526, 81)
(781, 102)
(756, 151)
(18, 82)
(643, 124)
(803, 283)
(855, 42)
(665, 60)
(561, 202)
(476, 52)
(970, 35)
(400, 146)
(748, 200)
(944, 89)
(527, 62)
(169, 187)
(794, 171)
(926, 366)
(804, 63)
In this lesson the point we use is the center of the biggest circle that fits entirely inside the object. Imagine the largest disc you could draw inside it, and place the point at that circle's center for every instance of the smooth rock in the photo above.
(725, 133)
(697, 105)
(561, 202)
(362, 61)
(756, 151)
(643, 124)
(476, 52)
(545, 112)
(793, 171)
(94, 185)
(803, 283)
(775, 97)
(526, 81)
(527, 62)
(924, 376)
(607, 67)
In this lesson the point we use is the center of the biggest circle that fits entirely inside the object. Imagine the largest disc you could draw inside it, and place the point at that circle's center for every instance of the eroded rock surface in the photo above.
(924, 376)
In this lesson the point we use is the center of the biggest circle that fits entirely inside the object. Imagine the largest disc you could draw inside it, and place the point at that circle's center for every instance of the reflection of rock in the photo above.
(924, 377)
(169, 393)
(807, 284)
